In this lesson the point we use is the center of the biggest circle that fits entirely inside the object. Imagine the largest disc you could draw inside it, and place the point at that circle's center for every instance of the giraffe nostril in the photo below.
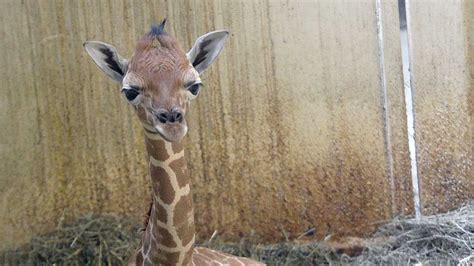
(162, 117)
(170, 117)
(179, 117)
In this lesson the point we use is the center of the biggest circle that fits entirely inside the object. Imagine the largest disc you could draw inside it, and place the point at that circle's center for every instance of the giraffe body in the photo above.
(159, 81)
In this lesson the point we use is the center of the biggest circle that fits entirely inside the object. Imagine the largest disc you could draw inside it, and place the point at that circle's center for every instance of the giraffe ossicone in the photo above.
(159, 81)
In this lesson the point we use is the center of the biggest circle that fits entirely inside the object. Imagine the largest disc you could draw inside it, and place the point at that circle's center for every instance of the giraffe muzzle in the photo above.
(173, 129)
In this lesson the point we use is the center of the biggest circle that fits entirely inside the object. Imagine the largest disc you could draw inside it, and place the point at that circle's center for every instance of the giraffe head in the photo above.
(160, 79)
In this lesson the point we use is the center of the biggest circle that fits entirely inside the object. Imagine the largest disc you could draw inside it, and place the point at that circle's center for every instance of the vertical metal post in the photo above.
(405, 41)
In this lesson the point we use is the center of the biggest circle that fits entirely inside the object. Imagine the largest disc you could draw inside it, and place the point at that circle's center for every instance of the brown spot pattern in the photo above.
(184, 219)
(166, 258)
(156, 149)
(177, 147)
(161, 184)
(181, 170)
(160, 213)
(182, 210)
(164, 237)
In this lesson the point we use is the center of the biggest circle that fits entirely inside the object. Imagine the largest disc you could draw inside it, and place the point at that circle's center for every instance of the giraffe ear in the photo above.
(107, 59)
(206, 49)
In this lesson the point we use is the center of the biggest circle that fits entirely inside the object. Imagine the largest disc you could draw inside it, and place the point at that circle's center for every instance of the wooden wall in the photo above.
(443, 84)
(300, 124)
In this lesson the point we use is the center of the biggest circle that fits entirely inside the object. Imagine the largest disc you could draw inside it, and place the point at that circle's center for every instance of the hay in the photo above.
(446, 239)
(286, 253)
(91, 240)
(442, 239)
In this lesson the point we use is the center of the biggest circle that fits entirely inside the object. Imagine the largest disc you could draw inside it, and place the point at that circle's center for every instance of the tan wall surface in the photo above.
(289, 131)
(443, 107)
(290, 162)
(469, 31)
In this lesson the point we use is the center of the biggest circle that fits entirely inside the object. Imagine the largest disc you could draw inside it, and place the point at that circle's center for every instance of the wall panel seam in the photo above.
(386, 111)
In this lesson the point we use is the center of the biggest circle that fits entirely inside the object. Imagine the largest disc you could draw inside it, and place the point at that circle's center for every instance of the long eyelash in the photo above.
(200, 85)
(187, 85)
(131, 87)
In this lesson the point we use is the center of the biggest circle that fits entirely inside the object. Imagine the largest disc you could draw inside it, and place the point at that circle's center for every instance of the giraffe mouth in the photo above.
(172, 132)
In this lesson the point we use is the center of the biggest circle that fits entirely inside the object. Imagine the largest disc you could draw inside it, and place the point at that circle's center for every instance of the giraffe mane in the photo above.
(157, 30)
(146, 217)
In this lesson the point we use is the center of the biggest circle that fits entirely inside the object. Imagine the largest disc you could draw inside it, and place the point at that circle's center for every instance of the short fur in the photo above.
(159, 70)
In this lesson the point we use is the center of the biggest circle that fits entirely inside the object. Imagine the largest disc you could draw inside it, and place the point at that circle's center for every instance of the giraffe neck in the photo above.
(169, 236)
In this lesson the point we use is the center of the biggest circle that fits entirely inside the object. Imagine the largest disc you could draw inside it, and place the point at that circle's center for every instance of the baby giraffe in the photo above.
(159, 81)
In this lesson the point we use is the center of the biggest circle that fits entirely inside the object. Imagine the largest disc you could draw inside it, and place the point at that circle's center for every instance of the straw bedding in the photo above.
(446, 239)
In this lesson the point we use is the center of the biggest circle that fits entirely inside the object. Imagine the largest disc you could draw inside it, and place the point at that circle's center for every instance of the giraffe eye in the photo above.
(194, 89)
(131, 93)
